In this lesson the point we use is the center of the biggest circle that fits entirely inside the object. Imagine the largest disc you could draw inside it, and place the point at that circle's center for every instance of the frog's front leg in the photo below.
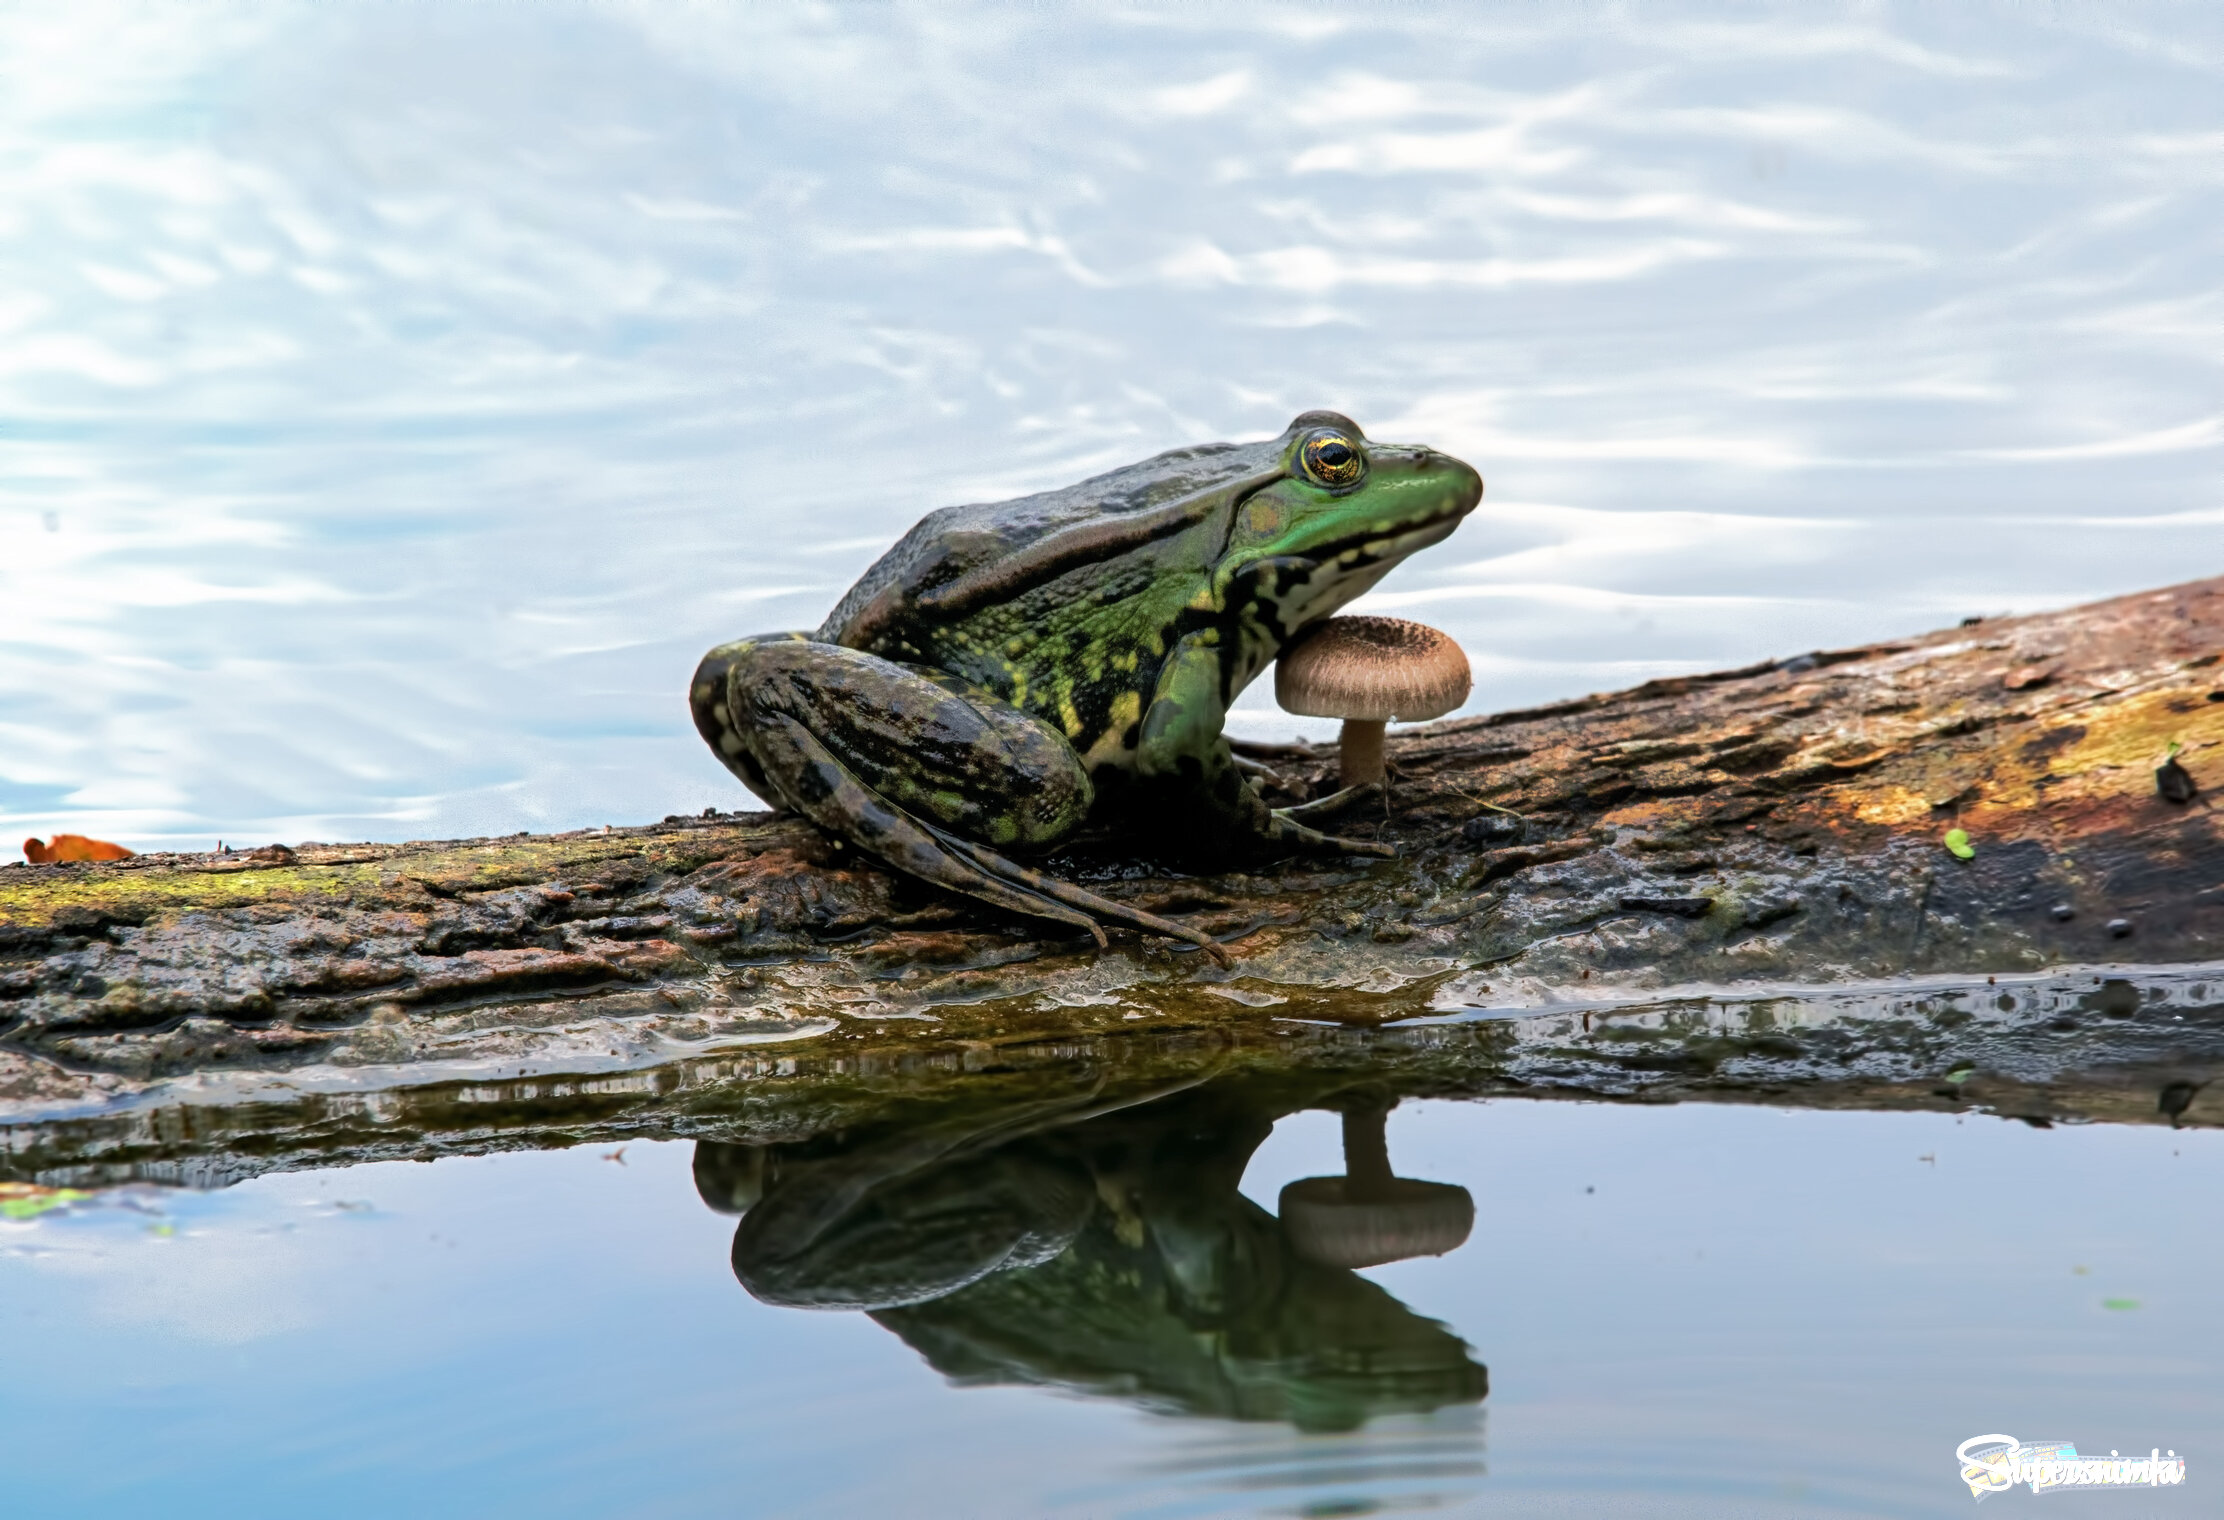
(1184, 761)
(911, 765)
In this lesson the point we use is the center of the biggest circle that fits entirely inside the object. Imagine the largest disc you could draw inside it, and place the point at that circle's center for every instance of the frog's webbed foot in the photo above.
(1332, 804)
(1289, 831)
(1038, 886)
(1258, 770)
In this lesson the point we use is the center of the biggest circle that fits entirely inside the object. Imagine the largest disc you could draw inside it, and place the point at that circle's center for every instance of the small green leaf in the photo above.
(1958, 845)
(1961, 1074)
(2171, 753)
(2119, 1303)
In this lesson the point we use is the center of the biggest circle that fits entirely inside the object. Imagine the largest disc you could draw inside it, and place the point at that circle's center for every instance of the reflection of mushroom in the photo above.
(729, 1178)
(1368, 671)
(1368, 1217)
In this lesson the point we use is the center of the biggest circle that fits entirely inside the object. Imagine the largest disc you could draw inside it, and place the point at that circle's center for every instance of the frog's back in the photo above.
(949, 541)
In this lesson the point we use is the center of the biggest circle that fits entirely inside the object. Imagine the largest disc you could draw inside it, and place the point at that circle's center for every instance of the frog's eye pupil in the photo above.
(1333, 460)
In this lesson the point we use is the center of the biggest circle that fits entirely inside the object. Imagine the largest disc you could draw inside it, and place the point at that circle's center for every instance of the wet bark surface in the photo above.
(1728, 885)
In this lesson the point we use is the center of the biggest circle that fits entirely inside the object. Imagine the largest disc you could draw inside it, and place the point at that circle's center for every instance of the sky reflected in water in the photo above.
(395, 401)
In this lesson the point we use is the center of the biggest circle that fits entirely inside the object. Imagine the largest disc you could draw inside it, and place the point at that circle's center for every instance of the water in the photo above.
(1680, 1310)
(395, 401)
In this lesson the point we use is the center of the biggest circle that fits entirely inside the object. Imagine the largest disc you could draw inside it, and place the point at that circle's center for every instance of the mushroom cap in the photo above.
(1326, 1223)
(1372, 668)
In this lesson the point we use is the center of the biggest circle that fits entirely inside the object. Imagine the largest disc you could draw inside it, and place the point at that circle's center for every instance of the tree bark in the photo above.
(1646, 872)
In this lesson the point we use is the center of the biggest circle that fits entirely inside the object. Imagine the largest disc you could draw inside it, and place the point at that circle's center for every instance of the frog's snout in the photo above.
(1462, 483)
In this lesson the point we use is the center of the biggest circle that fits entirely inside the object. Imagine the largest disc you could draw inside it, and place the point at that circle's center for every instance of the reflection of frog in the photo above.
(1101, 1251)
(1007, 672)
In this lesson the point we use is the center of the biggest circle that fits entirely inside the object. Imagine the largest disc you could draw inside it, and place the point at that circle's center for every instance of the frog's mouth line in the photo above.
(1400, 542)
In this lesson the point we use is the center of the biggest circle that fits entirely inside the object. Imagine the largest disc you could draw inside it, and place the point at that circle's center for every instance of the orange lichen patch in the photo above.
(72, 847)
(1648, 815)
(1891, 806)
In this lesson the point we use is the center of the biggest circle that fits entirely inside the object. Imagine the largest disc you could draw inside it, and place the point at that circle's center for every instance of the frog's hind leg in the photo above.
(710, 699)
(912, 765)
(829, 795)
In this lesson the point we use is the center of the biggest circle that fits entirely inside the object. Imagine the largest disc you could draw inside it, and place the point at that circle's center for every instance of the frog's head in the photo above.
(1341, 515)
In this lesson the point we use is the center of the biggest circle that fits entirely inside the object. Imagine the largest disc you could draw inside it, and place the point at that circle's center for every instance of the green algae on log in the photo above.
(1778, 825)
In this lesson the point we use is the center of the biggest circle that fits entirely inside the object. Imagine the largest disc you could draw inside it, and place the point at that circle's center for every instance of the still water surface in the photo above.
(1686, 1311)
(395, 400)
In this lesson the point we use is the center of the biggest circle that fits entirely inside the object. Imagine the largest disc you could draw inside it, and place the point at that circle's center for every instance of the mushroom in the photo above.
(1368, 1216)
(1368, 671)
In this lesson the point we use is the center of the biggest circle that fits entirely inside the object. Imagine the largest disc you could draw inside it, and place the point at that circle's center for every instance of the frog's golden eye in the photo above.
(1332, 459)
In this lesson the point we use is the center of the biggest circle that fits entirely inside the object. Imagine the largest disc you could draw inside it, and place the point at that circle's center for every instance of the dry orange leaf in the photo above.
(72, 847)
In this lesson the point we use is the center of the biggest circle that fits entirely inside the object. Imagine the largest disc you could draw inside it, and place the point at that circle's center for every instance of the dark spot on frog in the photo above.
(2174, 782)
(817, 781)
(2119, 928)
(2062, 912)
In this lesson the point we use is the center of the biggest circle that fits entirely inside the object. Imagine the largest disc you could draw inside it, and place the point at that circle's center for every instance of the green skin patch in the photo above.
(1009, 672)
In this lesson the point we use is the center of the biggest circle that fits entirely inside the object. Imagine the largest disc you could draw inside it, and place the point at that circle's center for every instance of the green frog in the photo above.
(1013, 671)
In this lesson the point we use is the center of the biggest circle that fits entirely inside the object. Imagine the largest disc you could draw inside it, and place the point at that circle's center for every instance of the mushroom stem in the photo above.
(1367, 1152)
(1360, 757)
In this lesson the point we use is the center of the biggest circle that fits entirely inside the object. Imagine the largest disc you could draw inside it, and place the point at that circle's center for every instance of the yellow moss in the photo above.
(1891, 805)
(31, 896)
(2136, 732)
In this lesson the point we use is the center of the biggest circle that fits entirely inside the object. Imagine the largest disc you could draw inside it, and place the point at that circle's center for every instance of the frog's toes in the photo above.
(1334, 803)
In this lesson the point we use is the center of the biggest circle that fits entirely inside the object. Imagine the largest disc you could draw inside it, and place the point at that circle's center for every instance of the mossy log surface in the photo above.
(1724, 885)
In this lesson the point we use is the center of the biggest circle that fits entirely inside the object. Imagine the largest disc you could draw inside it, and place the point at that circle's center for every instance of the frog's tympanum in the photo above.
(1092, 1247)
(1010, 672)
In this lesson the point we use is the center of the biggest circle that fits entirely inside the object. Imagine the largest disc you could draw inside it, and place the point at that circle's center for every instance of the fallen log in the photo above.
(2003, 799)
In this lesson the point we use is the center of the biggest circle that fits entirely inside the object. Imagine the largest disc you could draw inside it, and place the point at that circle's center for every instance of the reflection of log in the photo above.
(2123, 1060)
(1777, 824)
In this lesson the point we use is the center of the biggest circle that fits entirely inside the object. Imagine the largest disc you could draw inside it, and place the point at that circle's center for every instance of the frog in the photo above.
(1011, 675)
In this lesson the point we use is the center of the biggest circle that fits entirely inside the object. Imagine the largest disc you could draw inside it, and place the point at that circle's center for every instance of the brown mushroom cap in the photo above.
(1327, 1220)
(1374, 669)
